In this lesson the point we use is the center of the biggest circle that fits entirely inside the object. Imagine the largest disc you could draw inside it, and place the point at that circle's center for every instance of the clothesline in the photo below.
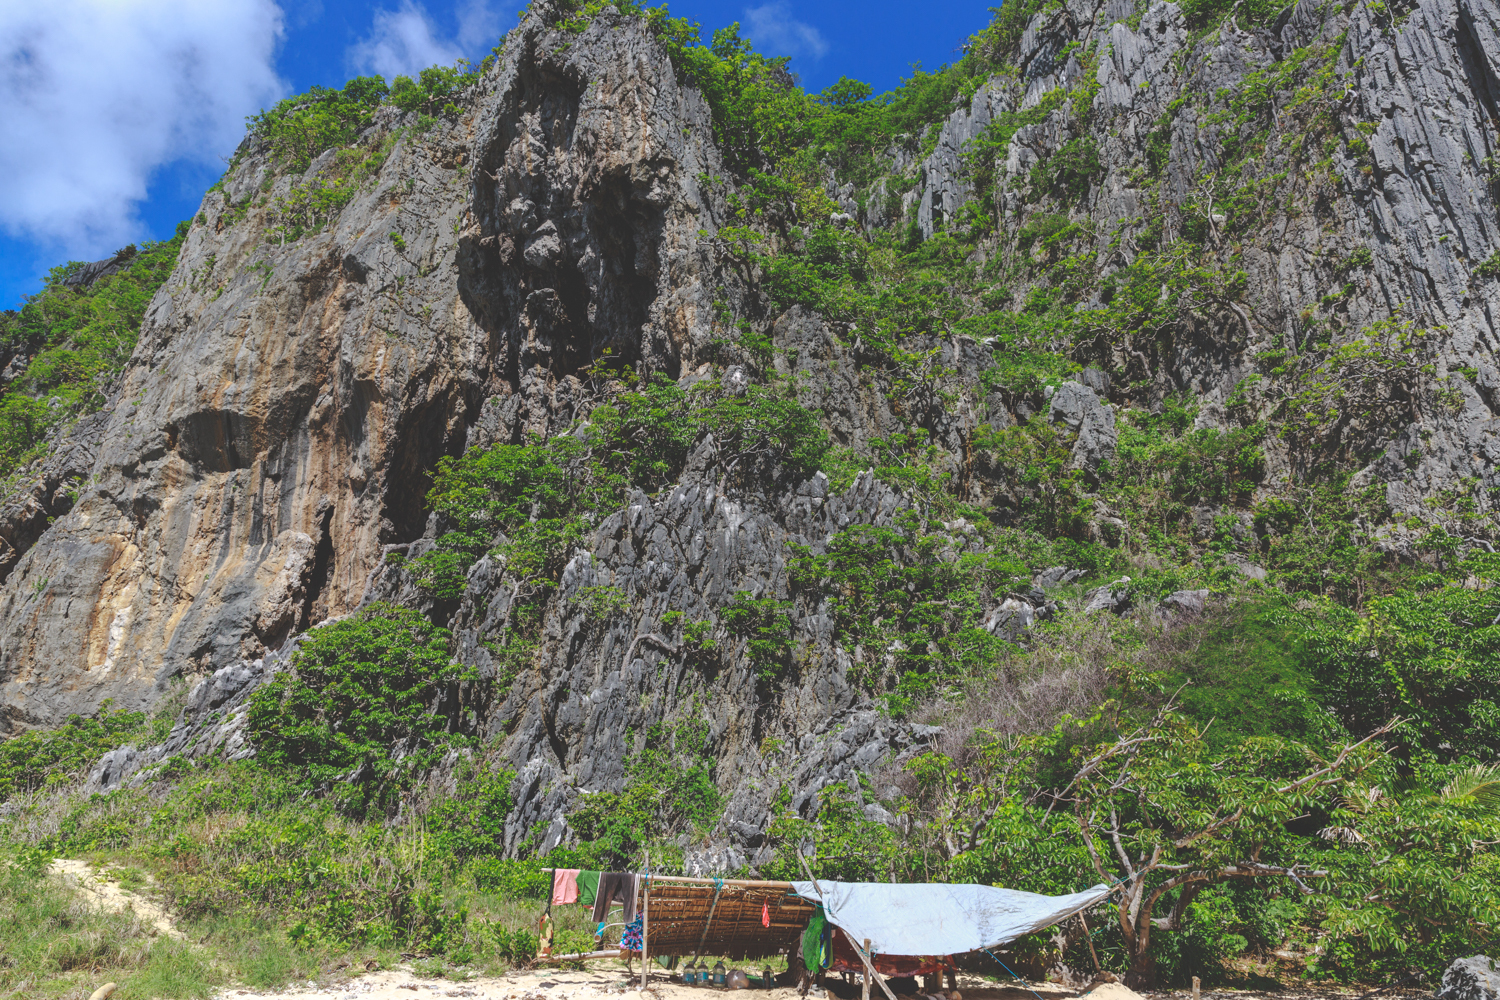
(691, 880)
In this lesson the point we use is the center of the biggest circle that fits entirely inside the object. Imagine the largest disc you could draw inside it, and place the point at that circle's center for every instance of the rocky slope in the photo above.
(270, 442)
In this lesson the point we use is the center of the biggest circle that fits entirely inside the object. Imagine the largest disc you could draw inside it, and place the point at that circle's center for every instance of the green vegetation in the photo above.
(53, 942)
(77, 339)
(39, 760)
(907, 588)
(357, 688)
(531, 502)
(300, 128)
(669, 784)
(1307, 765)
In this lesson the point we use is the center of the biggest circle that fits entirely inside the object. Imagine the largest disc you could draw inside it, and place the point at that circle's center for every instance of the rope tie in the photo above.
(1008, 969)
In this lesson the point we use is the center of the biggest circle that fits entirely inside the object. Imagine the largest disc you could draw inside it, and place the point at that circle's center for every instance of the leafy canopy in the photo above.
(374, 695)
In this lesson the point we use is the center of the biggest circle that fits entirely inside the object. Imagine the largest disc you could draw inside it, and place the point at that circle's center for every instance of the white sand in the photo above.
(107, 894)
(1112, 991)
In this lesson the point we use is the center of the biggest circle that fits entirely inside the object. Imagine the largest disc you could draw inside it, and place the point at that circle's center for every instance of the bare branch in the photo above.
(1343, 755)
(1114, 836)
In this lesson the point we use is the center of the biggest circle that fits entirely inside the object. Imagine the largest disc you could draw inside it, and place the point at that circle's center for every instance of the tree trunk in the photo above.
(1142, 974)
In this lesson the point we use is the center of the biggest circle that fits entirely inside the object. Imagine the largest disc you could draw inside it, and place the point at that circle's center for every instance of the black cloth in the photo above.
(615, 886)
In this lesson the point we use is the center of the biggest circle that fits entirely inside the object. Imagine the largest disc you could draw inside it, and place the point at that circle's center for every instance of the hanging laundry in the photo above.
(565, 885)
(630, 937)
(765, 914)
(588, 887)
(613, 886)
(816, 950)
(545, 931)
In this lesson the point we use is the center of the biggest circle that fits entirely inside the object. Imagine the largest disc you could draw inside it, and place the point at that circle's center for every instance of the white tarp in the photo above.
(923, 918)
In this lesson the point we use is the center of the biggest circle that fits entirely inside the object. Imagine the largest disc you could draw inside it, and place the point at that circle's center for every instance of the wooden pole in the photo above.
(579, 956)
(864, 989)
(870, 967)
(645, 918)
(863, 955)
(1089, 938)
(706, 925)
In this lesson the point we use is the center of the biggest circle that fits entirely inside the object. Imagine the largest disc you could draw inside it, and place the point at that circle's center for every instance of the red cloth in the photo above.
(765, 914)
(565, 885)
(846, 959)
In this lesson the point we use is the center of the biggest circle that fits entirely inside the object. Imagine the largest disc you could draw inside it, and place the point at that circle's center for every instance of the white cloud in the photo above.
(402, 43)
(97, 94)
(479, 26)
(775, 32)
(405, 41)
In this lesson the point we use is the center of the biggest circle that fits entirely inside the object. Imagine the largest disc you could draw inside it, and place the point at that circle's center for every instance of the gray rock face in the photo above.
(113, 768)
(273, 430)
(1113, 597)
(1056, 577)
(1193, 601)
(1407, 184)
(1473, 978)
(99, 270)
(946, 189)
(1010, 619)
(1079, 408)
(690, 550)
(49, 492)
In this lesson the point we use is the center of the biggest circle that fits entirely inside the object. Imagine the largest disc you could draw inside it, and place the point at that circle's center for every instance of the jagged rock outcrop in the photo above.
(1473, 978)
(1089, 420)
(1191, 601)
(1412, 185)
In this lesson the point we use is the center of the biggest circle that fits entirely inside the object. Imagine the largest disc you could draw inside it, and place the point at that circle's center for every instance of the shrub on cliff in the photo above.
(532, 502)
(669, 787)
(301, 127)
(372, 698)
(42, 759)
(71, 339)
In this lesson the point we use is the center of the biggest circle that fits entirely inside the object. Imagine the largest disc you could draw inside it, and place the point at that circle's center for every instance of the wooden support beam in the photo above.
(580, 956)
(645, 919)
(706, 925)
(864, 957)
(863, 954)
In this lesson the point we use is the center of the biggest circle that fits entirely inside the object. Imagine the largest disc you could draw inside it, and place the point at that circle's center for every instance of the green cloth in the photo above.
(588, 887)
(815, 941)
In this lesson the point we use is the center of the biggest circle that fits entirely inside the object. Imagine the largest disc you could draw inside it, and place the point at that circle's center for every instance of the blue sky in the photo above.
(119, 112)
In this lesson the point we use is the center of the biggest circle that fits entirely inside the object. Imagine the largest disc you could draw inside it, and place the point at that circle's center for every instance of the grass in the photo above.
(255, 887)
(54, 944)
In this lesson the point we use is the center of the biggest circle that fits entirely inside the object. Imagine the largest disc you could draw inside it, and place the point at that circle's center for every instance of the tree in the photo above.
(1163, 815)
(373, 697)
(1418, 881)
